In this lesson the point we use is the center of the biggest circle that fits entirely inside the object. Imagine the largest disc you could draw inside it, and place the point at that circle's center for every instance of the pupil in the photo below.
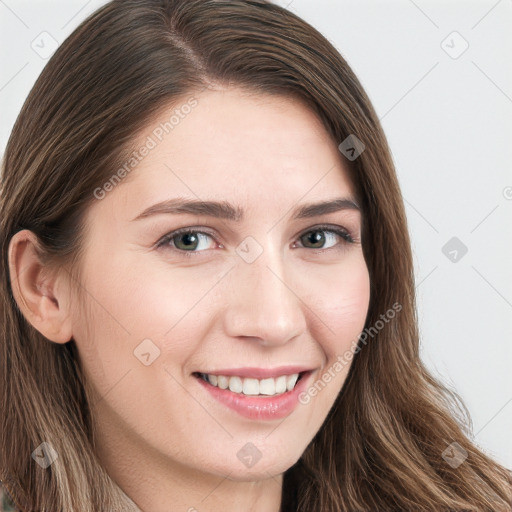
(188, 237)
(316, 237)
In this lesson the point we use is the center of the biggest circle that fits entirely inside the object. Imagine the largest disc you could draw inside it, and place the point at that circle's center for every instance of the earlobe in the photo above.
(43, 297)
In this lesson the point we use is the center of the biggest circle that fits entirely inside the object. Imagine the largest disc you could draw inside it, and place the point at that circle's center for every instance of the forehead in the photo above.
(256, 150)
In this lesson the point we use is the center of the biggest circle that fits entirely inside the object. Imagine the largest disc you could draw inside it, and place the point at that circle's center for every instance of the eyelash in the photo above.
(343, 233)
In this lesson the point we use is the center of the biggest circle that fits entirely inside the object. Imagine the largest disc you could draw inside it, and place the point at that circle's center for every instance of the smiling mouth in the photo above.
(253, 387)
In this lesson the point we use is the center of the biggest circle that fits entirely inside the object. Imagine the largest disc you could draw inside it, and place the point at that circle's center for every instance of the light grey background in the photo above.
(447, 113)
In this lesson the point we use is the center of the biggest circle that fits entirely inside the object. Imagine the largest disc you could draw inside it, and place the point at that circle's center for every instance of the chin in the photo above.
(261, 470)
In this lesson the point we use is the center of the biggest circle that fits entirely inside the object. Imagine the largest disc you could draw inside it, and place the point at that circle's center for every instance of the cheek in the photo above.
(342, 306)
(340, 312)
(133, 295)
(127, 302)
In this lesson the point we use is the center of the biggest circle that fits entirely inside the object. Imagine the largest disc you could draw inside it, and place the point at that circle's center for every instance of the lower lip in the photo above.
(259, 407)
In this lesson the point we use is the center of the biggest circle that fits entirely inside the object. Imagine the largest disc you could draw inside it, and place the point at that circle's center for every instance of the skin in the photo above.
(162, 437)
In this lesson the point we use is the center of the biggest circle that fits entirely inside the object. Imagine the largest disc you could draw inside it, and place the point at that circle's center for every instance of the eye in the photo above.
(317, 236)
(188, 241)
(185, 240)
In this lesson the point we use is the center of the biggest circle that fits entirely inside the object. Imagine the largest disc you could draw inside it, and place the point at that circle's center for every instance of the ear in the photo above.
(42, 296)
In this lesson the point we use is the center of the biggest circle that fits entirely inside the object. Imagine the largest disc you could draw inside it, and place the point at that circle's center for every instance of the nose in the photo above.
(263, 304)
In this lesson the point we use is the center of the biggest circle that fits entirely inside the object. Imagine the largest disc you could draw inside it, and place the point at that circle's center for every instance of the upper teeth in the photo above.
(248, 386)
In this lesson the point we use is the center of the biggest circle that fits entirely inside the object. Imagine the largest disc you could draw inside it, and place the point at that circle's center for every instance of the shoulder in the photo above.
(6, 503)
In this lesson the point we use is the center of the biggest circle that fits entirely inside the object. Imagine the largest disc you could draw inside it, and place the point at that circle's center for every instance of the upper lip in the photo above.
(259, 373)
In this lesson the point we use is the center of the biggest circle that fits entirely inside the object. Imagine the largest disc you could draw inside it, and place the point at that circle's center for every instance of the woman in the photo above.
(259, 372)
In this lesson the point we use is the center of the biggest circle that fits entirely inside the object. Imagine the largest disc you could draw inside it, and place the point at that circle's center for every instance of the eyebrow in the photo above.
(227, 211)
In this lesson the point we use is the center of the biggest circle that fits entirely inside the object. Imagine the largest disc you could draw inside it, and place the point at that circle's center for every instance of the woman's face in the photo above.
(249, 302)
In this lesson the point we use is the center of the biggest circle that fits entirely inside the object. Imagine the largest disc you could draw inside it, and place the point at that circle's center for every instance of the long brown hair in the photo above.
(383, 445)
